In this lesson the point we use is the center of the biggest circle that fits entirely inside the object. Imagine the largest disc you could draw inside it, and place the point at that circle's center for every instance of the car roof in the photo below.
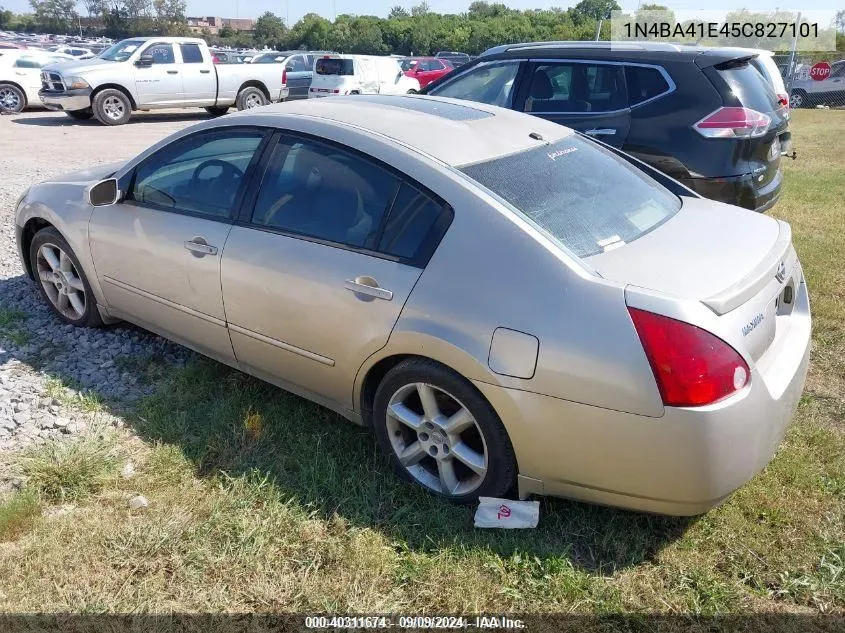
(614, 50)
(453, 131)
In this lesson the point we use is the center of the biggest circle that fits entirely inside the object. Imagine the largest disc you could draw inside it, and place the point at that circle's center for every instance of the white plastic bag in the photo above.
(505, 513)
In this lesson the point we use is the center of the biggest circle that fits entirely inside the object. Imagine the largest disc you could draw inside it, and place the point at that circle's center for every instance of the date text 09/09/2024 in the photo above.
(412, 622)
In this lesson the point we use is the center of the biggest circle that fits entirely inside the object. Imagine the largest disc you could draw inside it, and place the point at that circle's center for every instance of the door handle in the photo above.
(205, 72)
(172, 72)
(199, 247)
(602, 131)
(369, 287)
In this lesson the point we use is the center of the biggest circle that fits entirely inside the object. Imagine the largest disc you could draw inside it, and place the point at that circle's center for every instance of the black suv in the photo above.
(704, 116)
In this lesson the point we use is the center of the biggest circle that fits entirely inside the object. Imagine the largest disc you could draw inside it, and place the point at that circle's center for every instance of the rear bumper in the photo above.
(70, 100)
(683, 463)
(739, 190)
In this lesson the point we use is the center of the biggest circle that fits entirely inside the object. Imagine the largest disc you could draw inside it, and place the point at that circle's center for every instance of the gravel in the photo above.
(36, 348)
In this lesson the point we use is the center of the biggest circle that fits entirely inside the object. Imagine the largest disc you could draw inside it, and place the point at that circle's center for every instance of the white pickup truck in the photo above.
(147, 73)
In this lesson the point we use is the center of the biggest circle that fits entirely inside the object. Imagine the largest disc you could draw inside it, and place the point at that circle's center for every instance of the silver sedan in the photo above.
(511, 307)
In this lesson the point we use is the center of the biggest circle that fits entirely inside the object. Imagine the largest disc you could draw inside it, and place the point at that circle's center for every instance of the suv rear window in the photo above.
(580, 193)
(334, 66)
(750, 87)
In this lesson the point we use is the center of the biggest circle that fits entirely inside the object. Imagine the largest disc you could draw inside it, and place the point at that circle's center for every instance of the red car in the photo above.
(426, 69)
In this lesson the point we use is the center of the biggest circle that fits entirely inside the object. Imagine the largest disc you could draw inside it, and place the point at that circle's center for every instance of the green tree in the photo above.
(170, 16)
(6, 18)
(398, 11)
(226, 32)
(55, 15)
(595, 9)
(421, 9)
(269, 30)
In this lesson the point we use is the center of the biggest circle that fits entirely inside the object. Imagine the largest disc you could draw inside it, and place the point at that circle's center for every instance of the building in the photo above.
(214, 24)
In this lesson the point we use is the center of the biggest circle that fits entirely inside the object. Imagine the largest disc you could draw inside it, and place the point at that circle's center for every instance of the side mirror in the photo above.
(144, 61)
(104, 193)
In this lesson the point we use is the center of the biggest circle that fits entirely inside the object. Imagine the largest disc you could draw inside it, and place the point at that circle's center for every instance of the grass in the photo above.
(261, 501)
(9, 322)
(18, 514)
(71, 394)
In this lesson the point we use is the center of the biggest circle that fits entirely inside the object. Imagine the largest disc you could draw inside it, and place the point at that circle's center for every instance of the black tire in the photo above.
(91, 315)
(12, 98)
(412, 92)
(217, 110)
(251, 97)
(501, 471)
(112, 107)
(80, 115)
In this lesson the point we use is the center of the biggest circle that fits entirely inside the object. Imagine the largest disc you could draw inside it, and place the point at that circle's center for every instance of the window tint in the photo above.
(334, 66)
(750, 87)
(323, 192)
(191, 53)
(644, 83)
(161, 53)
(571, 87)
(200, 174)
(582, 194)
(486, 83)
(296, 64)
(411, 219)
(29, 62)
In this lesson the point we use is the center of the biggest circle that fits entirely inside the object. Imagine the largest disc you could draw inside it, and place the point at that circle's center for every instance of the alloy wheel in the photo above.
(61, 281)
(114, 108)
(437, 439)
(254, 101)
(9, 99)
(796, 100)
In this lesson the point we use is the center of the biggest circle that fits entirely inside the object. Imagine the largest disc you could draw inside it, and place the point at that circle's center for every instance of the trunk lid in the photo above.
(735, 262)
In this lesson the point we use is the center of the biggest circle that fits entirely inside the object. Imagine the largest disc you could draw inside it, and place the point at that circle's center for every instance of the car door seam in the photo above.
(166, 302)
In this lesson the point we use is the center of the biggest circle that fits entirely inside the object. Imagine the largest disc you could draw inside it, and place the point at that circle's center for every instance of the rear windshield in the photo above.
(334, 66)
(750, 87)
(582, 194)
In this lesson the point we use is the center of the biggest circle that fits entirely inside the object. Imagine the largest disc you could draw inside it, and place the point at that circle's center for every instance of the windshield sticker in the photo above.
(561, 152)
(130, 49)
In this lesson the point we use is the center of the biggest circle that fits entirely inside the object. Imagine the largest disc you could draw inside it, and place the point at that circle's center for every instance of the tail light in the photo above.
(284, 76)
(783, 99)
(692, 367)
(733, 122)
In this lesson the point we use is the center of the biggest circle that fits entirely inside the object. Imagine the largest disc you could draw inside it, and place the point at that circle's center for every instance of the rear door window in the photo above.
(579, 193)
(191, 53)
(334, 66)
(411, 222)
(576, 87)
(644, 83)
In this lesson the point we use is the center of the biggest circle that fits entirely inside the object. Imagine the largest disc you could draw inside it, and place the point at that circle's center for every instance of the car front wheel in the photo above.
(12, 98)
(439, 432)
(61, 281)
(798, 99)
(112, 107)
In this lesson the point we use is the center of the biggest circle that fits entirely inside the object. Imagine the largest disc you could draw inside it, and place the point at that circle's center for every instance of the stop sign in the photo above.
(820, 71)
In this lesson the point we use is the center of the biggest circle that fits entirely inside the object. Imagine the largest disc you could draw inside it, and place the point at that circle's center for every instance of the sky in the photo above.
(295, 9)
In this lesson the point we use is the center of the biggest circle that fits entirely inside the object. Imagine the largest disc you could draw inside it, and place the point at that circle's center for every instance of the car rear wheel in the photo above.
(80, 115)
(798, 99)
(217, 111)
(112, 107)
(61, 281)
(12, 98)
(412, 92)
(251, 97)
(439, 432)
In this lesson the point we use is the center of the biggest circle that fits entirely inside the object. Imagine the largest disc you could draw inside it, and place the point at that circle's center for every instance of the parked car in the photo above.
(299, 68)
(20, 76)
(74, 51)
(653, 361)
(764, 62)
(359, 74)
(456, 58)
(426, 69)
(704, 116)
(146, 73)
(807, 92)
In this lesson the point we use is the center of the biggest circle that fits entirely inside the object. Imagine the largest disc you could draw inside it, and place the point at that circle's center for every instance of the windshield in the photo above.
(583, 195)
(121, 51)
(334, 66)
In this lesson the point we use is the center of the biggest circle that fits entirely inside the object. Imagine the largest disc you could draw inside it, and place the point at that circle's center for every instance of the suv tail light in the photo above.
(783, 99)
(733, 122)
(692, 367)
(285, 76)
